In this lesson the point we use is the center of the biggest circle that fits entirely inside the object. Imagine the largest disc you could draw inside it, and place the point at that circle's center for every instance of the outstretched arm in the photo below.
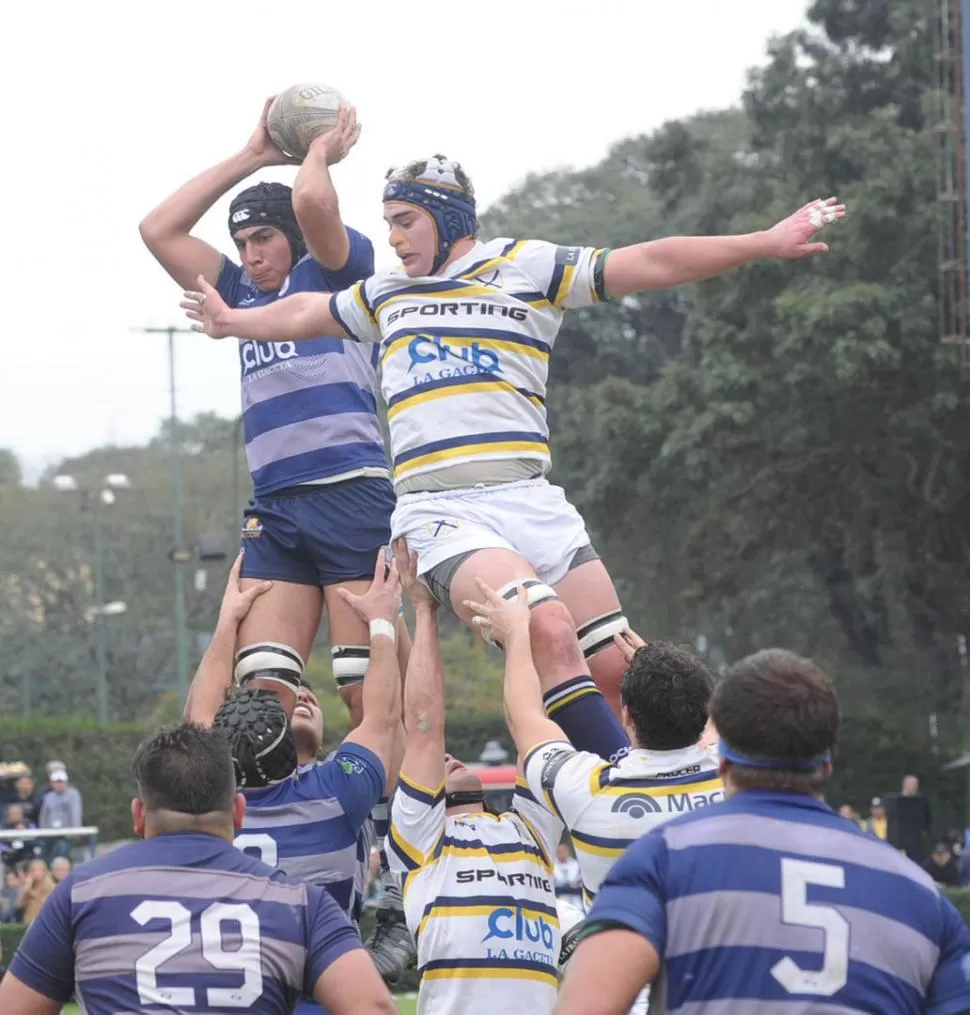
(213, 678)
(300, 316)
(424, 685)
(676, 260)
(525, 712)
(167, 229)
(381, 693)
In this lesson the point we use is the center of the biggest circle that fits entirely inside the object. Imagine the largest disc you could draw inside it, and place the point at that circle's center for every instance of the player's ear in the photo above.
(138, 817)
(238, 810)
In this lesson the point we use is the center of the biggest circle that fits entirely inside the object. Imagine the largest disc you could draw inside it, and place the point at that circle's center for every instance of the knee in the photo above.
(554, 635)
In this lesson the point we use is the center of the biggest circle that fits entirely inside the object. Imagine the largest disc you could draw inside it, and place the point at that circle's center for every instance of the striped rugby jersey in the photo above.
(181, 923)
(311, 826)
(480, 902)
(771, 904)
(309, 408)
(465, 354)
(607, 806)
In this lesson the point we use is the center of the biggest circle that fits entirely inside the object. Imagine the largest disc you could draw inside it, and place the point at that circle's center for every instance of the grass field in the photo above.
(408, 1006)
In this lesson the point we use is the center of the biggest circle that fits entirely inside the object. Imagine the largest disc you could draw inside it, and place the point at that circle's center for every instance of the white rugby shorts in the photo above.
(531, 517)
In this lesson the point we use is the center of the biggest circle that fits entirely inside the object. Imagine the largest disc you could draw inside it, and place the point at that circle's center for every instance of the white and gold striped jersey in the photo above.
(480, 901)
(606, 807)
(465, 354)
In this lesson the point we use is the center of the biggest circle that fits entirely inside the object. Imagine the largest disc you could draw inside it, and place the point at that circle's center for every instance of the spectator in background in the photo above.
(61, 866)
(17, 851)
(942, 866)
(62, 808)
(28, 797)
(912, 820)
(9, 895)
(876, 823)
(848, 812)
(37, 885)
(566, 875)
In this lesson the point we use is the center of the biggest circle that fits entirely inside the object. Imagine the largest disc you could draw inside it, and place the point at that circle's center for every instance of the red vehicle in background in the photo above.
(498, 782)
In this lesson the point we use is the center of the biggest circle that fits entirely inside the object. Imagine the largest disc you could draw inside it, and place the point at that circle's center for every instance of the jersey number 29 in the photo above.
(246, 959)
(796, 910)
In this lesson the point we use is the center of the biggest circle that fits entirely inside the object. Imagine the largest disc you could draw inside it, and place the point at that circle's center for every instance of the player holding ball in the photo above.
(322, 497)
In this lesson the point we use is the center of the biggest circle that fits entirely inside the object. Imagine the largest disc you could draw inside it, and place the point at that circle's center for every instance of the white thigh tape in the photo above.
(349, 664)
(597, 634)
(536, 592)
(269, 661)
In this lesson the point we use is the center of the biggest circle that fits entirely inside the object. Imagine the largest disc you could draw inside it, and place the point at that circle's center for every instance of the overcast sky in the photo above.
(108, 108)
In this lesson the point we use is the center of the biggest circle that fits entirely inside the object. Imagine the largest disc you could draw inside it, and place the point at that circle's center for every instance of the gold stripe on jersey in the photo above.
(415, 785)
(462, 290)
(479, 339)
(565, 284)
(494, 263)
(471, 388)
(474, 908)
(433, 457)
(475, 973)
(517, 856)
(358, 290)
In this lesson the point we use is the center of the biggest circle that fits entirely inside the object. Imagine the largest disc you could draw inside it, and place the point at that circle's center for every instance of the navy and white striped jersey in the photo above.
(606, 806)
(182, 923)
(309, 408)
(772, 903)
(309, 827)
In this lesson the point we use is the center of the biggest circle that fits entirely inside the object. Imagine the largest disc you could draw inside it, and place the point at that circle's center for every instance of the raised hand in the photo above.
(336, 142)
(207, 310)
(504, 619)
(263, 146)
(382, 601)
(791, 238)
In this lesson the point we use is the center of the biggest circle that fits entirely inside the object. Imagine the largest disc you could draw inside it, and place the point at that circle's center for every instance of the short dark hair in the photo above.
(780, 706)
(186, 768)
(666, 690)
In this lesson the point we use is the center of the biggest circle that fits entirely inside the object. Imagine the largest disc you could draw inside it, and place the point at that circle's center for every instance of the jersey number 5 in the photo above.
(246, 958)
(796, 910)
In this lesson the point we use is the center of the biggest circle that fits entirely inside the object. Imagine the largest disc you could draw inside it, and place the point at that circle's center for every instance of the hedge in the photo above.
(98, 759)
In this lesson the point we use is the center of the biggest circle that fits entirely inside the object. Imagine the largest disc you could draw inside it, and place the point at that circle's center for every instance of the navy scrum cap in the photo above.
(268, 204)
(438, 190)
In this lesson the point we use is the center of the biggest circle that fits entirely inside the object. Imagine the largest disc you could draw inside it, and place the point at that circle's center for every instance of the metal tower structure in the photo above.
(953, 84)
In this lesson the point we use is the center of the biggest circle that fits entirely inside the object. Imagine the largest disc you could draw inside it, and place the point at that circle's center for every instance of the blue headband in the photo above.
(728, 753)
(453, 212)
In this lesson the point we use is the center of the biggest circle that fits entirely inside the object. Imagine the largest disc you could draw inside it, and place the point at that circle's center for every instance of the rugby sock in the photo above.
(585, 717)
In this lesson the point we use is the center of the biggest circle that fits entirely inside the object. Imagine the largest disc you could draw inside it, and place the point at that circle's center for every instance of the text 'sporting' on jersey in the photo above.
(480, 900)
(465, 356)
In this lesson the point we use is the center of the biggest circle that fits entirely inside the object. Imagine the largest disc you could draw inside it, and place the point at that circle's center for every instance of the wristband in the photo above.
(381, 628)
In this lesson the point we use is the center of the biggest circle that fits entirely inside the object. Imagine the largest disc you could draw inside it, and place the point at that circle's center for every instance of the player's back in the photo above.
(183, 923)
(773, 903)
(310, 827)
(606, 806)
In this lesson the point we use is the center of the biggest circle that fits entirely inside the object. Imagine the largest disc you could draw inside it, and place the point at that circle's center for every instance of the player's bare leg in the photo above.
(565, 677)
(588, 593)
(281, 624)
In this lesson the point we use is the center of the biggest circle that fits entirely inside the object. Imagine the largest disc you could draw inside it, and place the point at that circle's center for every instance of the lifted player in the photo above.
(466, 331)
(322, 498)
